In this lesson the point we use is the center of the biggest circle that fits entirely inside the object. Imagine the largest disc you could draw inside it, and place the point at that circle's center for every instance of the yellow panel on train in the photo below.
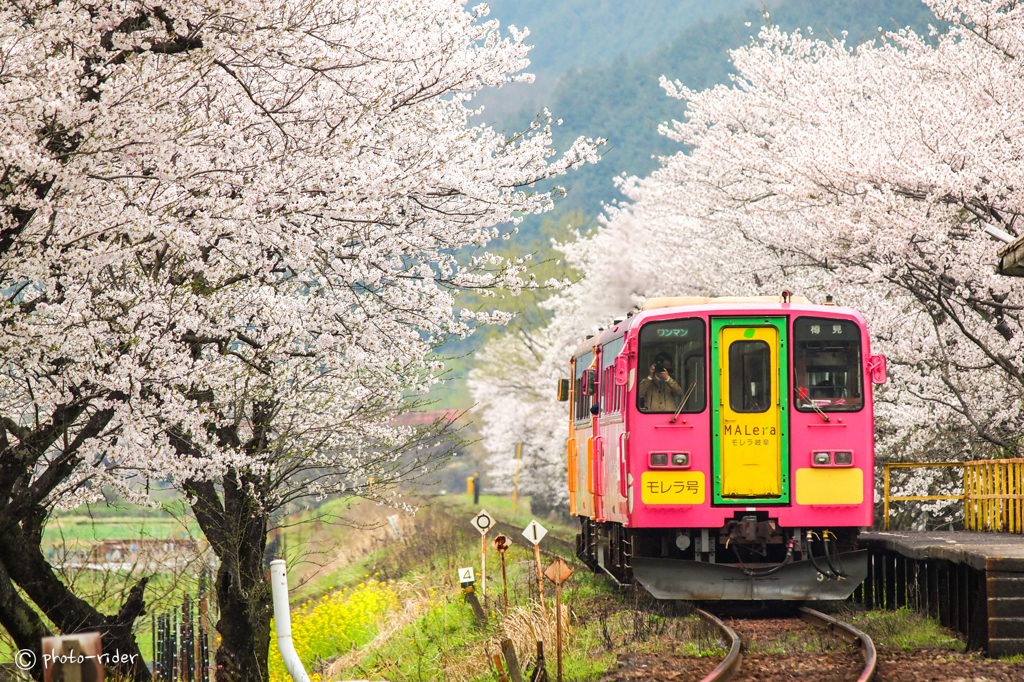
(672, 487)
(829, 485)
(751, 442)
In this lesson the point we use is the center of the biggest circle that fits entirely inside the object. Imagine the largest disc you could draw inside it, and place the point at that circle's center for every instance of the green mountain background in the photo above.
(616, 94)
(569, 35)
(598, 63)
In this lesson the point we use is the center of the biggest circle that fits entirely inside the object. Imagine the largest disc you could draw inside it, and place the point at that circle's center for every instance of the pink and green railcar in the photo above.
(723, 448)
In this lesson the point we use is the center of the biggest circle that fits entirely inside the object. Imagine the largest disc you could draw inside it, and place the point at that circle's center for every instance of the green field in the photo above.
(79, 530)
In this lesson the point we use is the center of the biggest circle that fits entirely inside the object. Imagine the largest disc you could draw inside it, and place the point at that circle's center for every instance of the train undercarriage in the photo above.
(749, 557)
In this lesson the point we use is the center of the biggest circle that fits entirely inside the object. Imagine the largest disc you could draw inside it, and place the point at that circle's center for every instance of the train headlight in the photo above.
(659, 459)
(680, 459)
(822, 458)
(843, 459)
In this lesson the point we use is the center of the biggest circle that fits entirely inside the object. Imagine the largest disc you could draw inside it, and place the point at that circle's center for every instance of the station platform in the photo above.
(972, 582)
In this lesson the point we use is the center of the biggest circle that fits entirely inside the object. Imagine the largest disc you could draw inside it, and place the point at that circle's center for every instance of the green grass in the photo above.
(442, 640)
(903, 629)
(345, 576)
(500, 507)
(90, 524)
(423, 649)
(83, 530)
(445, 642)
(434, 632)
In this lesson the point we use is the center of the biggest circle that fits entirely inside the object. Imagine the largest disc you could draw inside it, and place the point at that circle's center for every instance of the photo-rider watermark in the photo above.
(72, 658)
(24, 659)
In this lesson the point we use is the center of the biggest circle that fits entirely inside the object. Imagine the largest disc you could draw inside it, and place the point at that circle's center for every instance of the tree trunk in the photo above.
(244, 625)
(236, 527)
(23, 624)
(24, 561)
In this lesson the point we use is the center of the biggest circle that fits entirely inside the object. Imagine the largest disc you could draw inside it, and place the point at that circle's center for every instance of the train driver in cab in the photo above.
(659, 392)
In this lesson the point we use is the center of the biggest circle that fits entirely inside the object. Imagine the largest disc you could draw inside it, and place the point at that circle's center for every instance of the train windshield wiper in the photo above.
(682, 402)
(801, 393)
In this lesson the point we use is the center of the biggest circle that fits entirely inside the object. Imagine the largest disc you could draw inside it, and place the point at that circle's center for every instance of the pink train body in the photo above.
(712, 483)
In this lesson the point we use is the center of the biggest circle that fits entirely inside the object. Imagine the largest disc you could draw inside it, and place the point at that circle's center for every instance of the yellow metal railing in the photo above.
(993, 493)
(993, 498)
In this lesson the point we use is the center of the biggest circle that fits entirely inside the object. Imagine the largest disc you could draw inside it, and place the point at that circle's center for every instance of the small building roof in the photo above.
(1011, 259)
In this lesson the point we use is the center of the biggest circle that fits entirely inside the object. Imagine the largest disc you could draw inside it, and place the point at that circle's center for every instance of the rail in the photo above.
(848, 632)
(730, 665)
(992, 496)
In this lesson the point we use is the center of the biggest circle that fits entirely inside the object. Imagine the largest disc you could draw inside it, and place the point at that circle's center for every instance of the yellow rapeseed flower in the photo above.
(335, 624)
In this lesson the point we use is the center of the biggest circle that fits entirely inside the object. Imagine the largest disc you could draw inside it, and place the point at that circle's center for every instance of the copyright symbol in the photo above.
(25, 659)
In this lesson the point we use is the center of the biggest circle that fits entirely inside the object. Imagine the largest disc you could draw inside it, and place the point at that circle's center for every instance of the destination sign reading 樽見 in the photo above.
(672, 487)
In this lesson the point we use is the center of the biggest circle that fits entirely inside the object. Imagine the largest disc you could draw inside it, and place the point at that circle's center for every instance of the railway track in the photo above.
(730, 667)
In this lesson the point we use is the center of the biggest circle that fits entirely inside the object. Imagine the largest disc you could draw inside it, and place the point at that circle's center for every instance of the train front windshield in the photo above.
(671, 366)
(827, 365)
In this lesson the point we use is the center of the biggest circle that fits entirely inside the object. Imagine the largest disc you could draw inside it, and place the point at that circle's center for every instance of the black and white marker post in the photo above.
(535, 532)
(483, 522)
(466, 581)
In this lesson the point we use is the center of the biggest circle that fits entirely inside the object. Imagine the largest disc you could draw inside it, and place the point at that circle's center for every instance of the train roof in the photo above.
(656, 304)
(679, 301)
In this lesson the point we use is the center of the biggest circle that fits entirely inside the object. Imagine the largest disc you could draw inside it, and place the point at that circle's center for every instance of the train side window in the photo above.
(678, 348)
(609, 390)
(582, 402)
(827, 370)
(750, 376)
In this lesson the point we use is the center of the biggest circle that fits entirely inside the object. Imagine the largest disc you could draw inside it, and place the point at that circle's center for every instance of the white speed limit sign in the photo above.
(482, 522)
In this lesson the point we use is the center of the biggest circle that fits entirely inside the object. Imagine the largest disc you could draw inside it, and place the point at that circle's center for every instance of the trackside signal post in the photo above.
(483, 522)
(515, 488)
(558, 572)
(502, 543)
(535, 532)
(467, 580)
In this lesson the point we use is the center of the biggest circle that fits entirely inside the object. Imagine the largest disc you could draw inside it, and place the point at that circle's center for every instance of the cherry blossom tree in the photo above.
(878, 173)
(230, 242)
(515, 379)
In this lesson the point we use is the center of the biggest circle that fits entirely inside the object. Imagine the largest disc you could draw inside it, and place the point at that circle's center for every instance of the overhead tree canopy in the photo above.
(228, 237)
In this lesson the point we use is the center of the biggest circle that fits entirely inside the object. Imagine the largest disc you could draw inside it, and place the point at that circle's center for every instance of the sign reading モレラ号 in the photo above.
(672, 487)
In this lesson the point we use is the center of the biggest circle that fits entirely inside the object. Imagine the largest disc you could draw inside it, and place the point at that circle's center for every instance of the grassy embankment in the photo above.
(406, 619)
(370, 605)
(419, 628)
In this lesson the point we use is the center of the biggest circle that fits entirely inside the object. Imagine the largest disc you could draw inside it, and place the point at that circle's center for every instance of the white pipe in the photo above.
(283, 621)
(999, 234)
